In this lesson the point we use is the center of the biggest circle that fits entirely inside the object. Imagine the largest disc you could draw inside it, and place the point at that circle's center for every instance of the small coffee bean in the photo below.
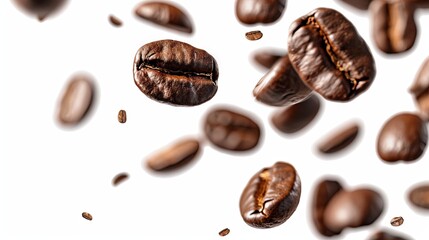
(115, 21)
(266, 58)
(40, 8)
(119, 178)
(122, 116)
(384, 235)
(397, 221)
(259, 11)
(420, 89)
(271, 196)
(254, 35)
(224, 232)
(87, 216)
(419, 196)
(339, 139)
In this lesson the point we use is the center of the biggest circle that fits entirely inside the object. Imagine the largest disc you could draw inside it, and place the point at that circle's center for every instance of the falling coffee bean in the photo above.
(119, 178)
(87, 216)
(259, 11)
(419, 196)
(122, 116)
(271, 196)
(254, 35)
(397, 221)
(384, 235)
(420, 89)
(339, 139)
(40, 8)
(115, 21)
(224, 232)
(266, 58)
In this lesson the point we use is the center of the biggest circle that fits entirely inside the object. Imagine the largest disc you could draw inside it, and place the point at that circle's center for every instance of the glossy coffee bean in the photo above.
(403, 137)
(231, 130)
(259, 11)
(165, 14)
(267, 57)
(40, 8)
(418, 196)
(330, 56)
(420, 89)
(339, 139)
(385, 235)
(175, 72)
(359, 4)
(281, 85)
(393, 27)
(271, 196)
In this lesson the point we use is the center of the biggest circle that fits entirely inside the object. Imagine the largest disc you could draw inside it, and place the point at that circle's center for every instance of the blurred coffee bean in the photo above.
(87, 216)
(224, 232)
(420, 89)
(385, 235)
(40, 8)
(419, 196)
(339, 139)
(119, 178)
(259, 11)
(115, 21)
(267, 57)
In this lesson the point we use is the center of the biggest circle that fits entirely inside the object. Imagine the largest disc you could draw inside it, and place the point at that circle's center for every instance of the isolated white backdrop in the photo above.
(50, 175)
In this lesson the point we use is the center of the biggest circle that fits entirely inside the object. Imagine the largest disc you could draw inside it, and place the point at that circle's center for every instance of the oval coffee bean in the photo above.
(259, 11)
(397, 221)
(254, 35)
(115, 21)
(393, 27)
(420, 89)
(165, 14)
(40, 8)
(403, 137)
(119, 178)
(266, 58)
(419, 196)
(359, 4)
(353, 209)
(175, 72)
(281, 85)
(340, 139)
(330, 56)
(295, 117)
(76, 100)
(271, 196)
(383, 235)
(174, 156)
(231, 130)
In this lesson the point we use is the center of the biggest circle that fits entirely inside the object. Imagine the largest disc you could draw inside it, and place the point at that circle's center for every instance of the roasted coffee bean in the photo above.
(231, 130)
(176, 73)
(266, 58)
(119, 178)
(397, 221)
(175, 155)
(293, 118)
(271, 196)
(165, 14)
(122, 116)
(259, 11)
(40, 8)
(224, 232)
(76, 100)
(402, 137)
(420, 89)
(419, 196)
(418, 3)
(281, 86)
(330, 56)
(352, 209)
(323, 193)
(339, 139)
(359, 4)
(393, 27)
(87, 216)
(384, 235)
(115, 21)
(254, 35)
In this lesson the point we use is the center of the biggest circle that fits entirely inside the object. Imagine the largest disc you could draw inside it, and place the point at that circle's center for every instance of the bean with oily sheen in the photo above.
(420, 89)
(418, 196)
(330, 56)
(176, 73)
(259, 11)
(40, 8)
(339, 139)
(271, 196)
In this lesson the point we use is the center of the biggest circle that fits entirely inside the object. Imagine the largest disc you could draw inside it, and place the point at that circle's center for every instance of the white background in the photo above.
(49, 175)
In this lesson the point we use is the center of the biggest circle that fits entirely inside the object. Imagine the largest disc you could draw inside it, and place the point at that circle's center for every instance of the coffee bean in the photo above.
(224, 232)
(419, 196)
(165, 14)
(254, 35)
(115, 21)
(231, 130)
(330, 56)
(259, 11)
(418, 3)
(281, 86)
(76, 100)
(40, 8)
(383, 235)
(119, 178)
(293, 118)
(359, 4)
(174, 156)
(420, 89)
(397, 221)
(266, 58)
(339, 139)
(402, 137)
(393, 27)
(87, 216)
(175, 72)
(122, 116)
(352, 209)
(271, 196)
(323, 193)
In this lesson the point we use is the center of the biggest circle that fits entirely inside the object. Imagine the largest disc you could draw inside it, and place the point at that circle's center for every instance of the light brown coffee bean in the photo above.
(87, 216)
(115, 21)
(419, 196)
(224, 232)
(122, 116)
(119, 178)
(397, 221)
(254, 35)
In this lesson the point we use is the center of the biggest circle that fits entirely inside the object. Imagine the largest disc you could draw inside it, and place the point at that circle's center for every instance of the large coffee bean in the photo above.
(259, 11)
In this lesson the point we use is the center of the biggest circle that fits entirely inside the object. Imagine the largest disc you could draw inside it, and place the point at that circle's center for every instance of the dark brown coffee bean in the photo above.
(281, 86)
(295, 117)
(174, 156)
(165, 14)
(122, 116)
(115, 21)
(339, 139)
(330, 56)
(119, 178)
(397, 221)
(266, 58)
(231, 130)
(419, 196)
(254, 35)
(259, 11)
(384, 235)
(76, 100)
(352, 209)
(420, 89)
(418, 3)
(323, 193)
(40, 8)
(359, 4)
(271, 196)
(393, 27)
(87, 216)
(175, 72)
(224, 232)
(402, 137)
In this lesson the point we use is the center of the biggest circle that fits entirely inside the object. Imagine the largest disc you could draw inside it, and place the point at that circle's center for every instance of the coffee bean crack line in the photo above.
(175, 72)
(264, 177)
